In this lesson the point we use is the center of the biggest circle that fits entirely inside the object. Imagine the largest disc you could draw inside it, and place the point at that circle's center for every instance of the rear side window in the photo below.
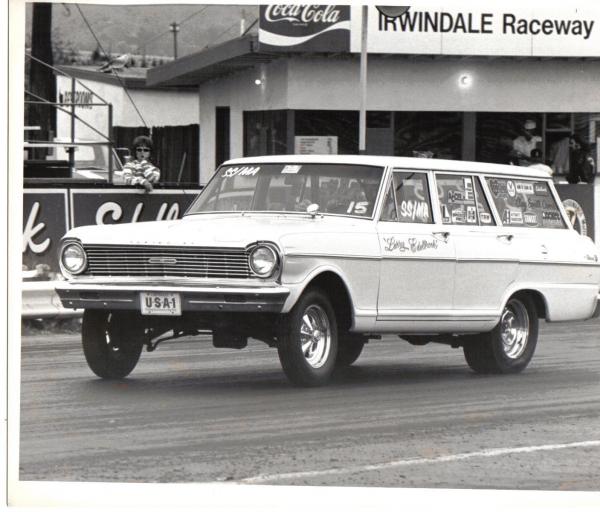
(457, 199)
(483, 208)
(525, 203)
(412, 197)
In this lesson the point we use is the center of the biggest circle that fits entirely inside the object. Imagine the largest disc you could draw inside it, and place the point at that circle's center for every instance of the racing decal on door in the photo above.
(412, 245)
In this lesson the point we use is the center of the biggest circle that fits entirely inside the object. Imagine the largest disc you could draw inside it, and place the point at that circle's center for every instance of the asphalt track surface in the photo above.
(402, 416)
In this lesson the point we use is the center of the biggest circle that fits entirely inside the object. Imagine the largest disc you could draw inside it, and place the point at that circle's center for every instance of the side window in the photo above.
(389, 212)
(412, 197)
(525, 203)
(457, 199)
(483, 208)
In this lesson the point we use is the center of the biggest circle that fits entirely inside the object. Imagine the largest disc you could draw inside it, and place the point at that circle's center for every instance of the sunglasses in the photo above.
(145, 150)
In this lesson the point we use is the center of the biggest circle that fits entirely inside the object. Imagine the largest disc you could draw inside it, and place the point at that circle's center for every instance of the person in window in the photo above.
(525, 143)
(537, 162)
(140, 171)
(581, 164)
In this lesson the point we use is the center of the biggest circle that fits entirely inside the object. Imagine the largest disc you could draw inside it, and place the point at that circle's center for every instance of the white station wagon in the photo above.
(315, 255)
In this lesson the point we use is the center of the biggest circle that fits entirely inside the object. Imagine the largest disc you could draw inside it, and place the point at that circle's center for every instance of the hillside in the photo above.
(143, 29)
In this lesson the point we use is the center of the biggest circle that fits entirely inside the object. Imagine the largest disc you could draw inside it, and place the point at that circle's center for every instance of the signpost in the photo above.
(390, 11)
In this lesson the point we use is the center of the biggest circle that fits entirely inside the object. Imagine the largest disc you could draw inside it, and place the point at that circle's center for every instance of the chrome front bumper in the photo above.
(217, 299)
(39, 300)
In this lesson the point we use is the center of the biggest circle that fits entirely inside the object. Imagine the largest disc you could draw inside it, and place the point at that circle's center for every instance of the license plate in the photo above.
(160, 303)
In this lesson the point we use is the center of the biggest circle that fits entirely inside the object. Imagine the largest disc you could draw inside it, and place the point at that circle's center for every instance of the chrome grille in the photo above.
(152, 261)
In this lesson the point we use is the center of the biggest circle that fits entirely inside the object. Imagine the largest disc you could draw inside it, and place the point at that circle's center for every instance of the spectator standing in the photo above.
(140, 171)
(581, 164)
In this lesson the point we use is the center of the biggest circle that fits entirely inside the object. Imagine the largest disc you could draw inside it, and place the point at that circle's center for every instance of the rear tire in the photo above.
(307, 344)
(509, 347)
(112, 342)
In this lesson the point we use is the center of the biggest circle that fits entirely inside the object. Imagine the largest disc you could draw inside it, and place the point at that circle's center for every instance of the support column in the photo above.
(207, 137)
(291, 131)
(236, 133)
(469, 127)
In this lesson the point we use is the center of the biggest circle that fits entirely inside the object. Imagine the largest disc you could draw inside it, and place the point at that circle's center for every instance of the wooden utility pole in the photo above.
(174, 28)
(42, 81)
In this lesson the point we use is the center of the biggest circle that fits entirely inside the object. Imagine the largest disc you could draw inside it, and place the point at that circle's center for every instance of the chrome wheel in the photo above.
(514, 329)
(315, 336)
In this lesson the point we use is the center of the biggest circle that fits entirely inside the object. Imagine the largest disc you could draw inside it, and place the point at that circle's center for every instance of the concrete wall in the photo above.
(434, 84)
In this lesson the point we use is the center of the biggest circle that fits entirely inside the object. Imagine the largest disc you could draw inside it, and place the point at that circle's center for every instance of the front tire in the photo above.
(509, 347)
(308, 340)
(112, 342)
(349, 349)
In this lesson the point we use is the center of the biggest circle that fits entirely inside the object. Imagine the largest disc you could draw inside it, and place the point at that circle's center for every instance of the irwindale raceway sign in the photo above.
(536, 32)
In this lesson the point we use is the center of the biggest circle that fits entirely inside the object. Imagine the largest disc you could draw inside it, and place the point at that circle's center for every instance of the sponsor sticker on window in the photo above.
(291, 169)
(526, 203)
(240, 171)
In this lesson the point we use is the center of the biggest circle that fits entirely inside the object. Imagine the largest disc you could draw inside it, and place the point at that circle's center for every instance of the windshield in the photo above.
(337, 189)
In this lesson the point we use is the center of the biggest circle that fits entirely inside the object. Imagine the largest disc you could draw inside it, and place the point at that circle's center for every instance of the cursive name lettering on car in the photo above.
(412, 245)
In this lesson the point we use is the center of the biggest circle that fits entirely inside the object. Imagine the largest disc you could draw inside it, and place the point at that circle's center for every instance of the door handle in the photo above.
(508, 238)
(441, 235)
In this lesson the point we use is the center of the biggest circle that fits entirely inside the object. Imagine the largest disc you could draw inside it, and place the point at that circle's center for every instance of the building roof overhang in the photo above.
(128, 78)
(229, 57)
(244, 52)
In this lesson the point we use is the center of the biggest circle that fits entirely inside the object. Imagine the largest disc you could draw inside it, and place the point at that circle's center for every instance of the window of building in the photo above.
(428, 134)
(342, 124)
(497, 135)
(265, 132)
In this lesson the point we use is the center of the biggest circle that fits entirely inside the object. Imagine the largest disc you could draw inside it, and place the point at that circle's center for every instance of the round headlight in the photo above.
(263, 260)
(73, 258)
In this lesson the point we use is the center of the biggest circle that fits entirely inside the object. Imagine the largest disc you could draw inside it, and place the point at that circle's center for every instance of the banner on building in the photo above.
(483, 30)
(310, 28)
(45, 221)
(93, 206)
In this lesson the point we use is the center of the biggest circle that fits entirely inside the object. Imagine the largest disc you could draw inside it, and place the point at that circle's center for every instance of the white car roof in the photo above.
(395, 161)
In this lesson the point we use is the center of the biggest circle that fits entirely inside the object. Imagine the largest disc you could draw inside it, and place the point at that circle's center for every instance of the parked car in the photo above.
(316, 255)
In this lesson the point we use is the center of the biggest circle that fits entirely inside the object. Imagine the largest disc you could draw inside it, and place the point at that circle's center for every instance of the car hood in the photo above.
(230, 230)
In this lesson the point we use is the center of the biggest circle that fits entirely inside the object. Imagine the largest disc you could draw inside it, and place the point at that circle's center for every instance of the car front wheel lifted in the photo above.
(307, 341)
(112, 342)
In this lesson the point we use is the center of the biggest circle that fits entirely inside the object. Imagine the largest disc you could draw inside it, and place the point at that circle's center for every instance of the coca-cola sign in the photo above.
(304, 28)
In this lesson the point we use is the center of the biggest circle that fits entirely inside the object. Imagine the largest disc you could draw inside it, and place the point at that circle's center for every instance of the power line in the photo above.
(250, 27)
(154, 38)
(108, 58)
(222, 33)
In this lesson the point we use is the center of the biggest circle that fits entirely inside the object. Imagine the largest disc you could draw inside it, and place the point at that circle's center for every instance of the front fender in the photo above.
(360, 277)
